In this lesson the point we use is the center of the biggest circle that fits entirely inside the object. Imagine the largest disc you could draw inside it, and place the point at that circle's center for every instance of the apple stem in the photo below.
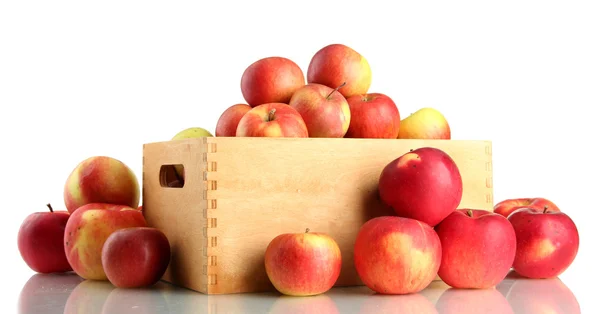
(307, 230)
(335, 90)
(50, 207)
(545, 208)
(272, 114)
(470, 213)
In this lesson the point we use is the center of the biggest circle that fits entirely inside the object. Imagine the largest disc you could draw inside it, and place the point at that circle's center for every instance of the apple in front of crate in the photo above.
(423, 184)
(40, 241)
(88, 228)
(272, 120)
(425, 123)
(271, 79)
(507, 206)
(303, 264)
(547, 242)
(374, 115)
(336, 64)
(397, 255)
(324, 110)
(101, 179)
(230, 118)
(478, 248)
(135, 257)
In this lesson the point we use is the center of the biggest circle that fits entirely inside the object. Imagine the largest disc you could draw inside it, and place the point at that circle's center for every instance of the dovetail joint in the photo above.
(210, 169)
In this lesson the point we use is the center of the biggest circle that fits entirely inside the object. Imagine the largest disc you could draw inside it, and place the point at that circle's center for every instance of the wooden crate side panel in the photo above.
(179, 212)
(262, 187)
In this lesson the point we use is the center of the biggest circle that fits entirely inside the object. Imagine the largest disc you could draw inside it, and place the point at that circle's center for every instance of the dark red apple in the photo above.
(40, 241)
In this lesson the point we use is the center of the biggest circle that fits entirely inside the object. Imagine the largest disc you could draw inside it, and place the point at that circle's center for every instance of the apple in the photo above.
(135, 257)
(423, 184)
(40, 241)
(230, 118)
(473, 301)
(547, 242)
(303, 264)
(374, 115)
(324, 110)
(101, 179)
(271, 79)
(336, 64)
(397, 255)
(272, 120)
(507, 206)
(88, 228)
(425, 123)
(478, 248)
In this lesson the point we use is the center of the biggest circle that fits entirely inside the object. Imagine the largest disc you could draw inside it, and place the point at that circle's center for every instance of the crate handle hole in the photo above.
(172, 176)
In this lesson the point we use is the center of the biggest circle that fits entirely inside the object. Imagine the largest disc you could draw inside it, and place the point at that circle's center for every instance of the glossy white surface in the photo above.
(52, 294)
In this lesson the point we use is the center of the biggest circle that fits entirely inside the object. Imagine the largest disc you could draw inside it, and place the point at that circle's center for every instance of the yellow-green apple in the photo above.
(547, 242)
(303, 264)
(336, 64)
(374, 115)
(324, 110)
(88, 228)
(507, 206)
(472, 301)
(271, 79)
(423, 184)
(192, 132)
(101, 179)
(272, 120)
(135, 257)
(397, 255)
(230, 118)
(425, 123)
(40, 241)
(534, 296)
(478, 248)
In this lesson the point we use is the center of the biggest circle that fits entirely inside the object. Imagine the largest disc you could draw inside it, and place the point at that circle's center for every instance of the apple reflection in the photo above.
(88, 297)
(475, 301)
(47, 293)
(321, 303)
(415, 303)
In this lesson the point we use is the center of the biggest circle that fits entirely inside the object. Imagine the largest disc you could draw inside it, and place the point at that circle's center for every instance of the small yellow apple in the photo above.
(425, 123)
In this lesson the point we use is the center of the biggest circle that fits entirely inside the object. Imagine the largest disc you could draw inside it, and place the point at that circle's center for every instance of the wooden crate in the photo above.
(240, 192)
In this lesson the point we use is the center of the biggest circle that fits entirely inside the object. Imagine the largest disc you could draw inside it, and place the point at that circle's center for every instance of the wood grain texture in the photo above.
(240, 193)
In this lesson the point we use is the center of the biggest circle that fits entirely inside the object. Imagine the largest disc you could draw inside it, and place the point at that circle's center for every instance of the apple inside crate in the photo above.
(238, 193)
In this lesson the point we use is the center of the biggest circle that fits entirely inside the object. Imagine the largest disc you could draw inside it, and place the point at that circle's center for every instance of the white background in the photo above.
(79, 79)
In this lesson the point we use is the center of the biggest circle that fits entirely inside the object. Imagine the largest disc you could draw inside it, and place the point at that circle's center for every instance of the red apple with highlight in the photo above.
(423, 184)
(374, 115)
(230, 118)
(271, 79)
(506, 207)
(272, 120)
(397, 255)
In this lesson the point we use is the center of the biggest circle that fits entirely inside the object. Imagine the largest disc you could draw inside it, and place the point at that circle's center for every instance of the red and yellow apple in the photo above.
(230, 118)
(423, 184)
(271, 79)
(507, 206)
(40, 241)
(303, 264)
(478, 248)
(397, 255)
(324, 110)
(374, 115)
(101, 179)
(135, 257)
(336, 64)
(425, 123)
(88, 228)
(272, 120)
(547, 242)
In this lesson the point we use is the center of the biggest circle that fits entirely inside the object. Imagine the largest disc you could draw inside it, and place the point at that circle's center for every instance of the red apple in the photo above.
(473, 301)
(423, 184)
(271, 79)
(374, 115)
(336, 64)
(547, 242)
(40, 241)
(101, 179)
(396, 255)
(478, 248)
(324, 110)
(88, 228)
(230, 118)
(303, 264)
(272, 120)
(506, 207)
(135, 257)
